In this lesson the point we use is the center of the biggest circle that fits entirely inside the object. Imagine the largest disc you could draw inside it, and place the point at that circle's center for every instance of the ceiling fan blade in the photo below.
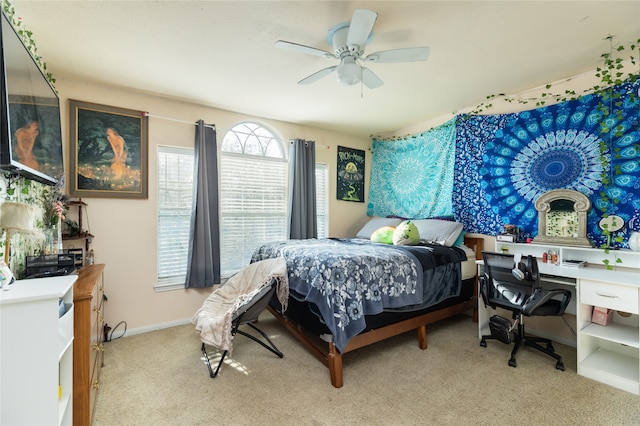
(318, 75)
(360, 27)
(370, 80)
(410, 54)
(299, 48)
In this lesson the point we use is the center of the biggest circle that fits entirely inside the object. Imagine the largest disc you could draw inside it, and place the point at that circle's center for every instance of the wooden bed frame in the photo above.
(332, 358)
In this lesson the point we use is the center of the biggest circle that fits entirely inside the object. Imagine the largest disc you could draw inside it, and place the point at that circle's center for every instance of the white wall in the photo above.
(125, 230)
(578, 83)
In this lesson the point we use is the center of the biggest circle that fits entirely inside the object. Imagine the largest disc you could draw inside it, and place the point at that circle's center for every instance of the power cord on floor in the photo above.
(109, 336)
(568, 325)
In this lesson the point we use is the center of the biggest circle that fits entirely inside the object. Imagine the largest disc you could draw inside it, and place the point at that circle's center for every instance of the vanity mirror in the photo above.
(562, 218)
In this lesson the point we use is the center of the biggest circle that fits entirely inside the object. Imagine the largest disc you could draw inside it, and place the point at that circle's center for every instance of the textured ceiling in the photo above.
(222, 54)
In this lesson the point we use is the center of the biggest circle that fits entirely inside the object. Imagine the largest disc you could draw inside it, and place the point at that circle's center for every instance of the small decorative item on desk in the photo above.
(574, 263)
(601, 316)
(510, 234)
(90, 258)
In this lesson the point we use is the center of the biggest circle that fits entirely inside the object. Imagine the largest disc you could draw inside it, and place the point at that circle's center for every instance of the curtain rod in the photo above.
(177, 120)
(213, 126)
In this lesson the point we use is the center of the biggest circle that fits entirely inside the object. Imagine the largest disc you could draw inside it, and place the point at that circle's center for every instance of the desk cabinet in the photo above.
(36, 334)
(610, 353)
(88, 346)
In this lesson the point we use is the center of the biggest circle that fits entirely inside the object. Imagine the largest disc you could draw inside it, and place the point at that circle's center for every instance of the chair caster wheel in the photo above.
(512, 363)
(560, 366)
(483, 343)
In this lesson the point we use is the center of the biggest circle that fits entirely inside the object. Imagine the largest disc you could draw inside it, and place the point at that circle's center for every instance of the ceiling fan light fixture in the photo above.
(349, 73)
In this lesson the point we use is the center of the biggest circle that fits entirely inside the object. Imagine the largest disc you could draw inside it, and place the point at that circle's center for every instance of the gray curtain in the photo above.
(203, 265)
(303, 222)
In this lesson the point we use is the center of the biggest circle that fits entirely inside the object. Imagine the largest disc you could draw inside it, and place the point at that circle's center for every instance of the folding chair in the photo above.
(248, 314)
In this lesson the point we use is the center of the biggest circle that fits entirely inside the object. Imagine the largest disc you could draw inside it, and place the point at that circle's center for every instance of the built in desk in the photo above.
(611, 353)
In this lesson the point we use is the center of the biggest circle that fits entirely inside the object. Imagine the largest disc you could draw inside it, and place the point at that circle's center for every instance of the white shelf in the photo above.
(65, 330)
(612, 368)
(625, 273)
(37, 352)
(63, 407)
(617, 333)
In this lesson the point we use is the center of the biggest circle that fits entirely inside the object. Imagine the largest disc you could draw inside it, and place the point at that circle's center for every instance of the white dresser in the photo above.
(36, 352)
(611, 353)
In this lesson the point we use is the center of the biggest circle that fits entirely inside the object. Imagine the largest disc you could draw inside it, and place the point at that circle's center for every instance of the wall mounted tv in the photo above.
(31, 144)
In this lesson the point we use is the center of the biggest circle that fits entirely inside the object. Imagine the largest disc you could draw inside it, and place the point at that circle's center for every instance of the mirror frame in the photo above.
(581, 205)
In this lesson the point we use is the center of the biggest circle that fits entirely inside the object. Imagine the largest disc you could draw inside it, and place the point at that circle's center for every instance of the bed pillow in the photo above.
(460, 240)
(438, 231)
(374, 224)
(406, 234)
(383, 235)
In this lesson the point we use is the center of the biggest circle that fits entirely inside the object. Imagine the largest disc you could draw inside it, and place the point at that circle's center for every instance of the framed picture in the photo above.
(108, 152)
(350, 174)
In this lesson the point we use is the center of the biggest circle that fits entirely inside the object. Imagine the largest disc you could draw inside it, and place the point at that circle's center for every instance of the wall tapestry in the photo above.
(350, 174)
(505, 162)
(413, 177)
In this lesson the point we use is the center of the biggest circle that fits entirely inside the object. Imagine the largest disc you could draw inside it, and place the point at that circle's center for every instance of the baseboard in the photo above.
(555, 338)
(154, 327)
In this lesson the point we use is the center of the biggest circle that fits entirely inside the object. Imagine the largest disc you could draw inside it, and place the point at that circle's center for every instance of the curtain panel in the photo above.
(303, 222)
(203, 263)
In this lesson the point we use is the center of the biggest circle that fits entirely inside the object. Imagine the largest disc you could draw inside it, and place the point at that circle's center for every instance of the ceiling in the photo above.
(222, 54)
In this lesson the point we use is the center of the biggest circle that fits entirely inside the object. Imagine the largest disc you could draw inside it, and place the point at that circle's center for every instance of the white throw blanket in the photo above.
(213, 319)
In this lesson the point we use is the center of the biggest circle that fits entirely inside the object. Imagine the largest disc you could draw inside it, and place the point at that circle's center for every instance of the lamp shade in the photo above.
(18, 217)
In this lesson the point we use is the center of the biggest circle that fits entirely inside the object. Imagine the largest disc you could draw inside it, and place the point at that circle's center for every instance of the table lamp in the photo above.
(17, 218)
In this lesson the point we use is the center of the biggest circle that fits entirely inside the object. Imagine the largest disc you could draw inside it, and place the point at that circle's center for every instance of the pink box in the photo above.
(601, 316)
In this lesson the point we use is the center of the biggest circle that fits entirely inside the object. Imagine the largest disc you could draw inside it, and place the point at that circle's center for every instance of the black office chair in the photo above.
(512, 283)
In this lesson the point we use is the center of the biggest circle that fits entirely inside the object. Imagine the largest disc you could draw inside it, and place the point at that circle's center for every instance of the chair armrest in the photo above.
(540, 296)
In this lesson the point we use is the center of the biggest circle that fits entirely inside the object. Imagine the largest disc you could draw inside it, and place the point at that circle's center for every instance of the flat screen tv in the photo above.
(31, 144)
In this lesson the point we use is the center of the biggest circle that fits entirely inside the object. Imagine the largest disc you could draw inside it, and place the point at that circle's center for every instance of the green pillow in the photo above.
(383, 235)
(406, 234)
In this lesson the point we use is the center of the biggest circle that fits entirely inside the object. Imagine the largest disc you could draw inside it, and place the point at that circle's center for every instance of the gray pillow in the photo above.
(438, 231)
(374, 224)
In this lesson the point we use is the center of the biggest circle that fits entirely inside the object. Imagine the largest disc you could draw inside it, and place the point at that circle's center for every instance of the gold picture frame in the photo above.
(108, 151)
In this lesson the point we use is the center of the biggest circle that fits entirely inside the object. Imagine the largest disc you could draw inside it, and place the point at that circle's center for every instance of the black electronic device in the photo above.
(30, 131)
(50, 265)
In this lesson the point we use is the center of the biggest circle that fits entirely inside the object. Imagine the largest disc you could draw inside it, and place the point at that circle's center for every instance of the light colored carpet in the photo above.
(159, 378)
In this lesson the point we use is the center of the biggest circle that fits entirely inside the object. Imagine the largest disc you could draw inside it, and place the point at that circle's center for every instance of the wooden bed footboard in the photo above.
(332, 358)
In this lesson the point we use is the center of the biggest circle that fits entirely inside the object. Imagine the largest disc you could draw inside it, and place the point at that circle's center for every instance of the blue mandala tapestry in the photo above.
(413, 177)
(505, 162)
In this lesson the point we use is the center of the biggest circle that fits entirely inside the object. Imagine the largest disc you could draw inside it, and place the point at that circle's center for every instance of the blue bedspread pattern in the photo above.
(350, 278)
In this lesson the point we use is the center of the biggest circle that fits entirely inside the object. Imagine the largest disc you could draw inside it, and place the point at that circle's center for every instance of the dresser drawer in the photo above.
(612, 296)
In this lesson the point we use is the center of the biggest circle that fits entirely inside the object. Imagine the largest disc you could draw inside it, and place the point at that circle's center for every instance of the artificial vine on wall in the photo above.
(611, 73)
(26, 36)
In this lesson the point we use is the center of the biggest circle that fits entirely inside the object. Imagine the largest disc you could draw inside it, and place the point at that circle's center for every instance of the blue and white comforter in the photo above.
(349, 278)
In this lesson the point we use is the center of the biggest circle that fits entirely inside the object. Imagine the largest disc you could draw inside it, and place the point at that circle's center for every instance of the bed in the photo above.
(347, 293)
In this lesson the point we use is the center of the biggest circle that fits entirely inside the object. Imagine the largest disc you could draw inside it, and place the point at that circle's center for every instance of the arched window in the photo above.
(253, 193)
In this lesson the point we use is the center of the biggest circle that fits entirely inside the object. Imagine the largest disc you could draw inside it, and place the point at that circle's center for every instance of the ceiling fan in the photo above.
(348, 40)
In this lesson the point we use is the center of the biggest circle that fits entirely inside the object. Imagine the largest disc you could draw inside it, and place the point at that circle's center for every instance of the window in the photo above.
(322, 199)
(175, 189)
(253, 194)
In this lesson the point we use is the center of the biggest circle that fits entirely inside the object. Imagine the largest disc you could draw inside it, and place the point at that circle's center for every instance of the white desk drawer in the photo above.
(618, 297)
